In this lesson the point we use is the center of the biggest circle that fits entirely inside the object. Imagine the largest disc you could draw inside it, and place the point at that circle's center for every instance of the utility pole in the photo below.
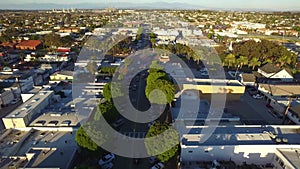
(287, 109)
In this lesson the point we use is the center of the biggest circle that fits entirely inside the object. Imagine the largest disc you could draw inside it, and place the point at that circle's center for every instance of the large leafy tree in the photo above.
(84, 140)
(265, 51)
(159, 89)
(110, 90)
(90, 136)
(110, 70)
(166, 137)
(160, 92)
(106, 110)
(52, 40)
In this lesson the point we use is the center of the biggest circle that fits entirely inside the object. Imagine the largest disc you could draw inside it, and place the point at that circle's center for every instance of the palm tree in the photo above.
(284, 59)
(230, 60)
(242, 61)
(254, 62)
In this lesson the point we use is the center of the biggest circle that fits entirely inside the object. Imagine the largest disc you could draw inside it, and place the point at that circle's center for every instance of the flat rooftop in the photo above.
(51, 157)
(9, 140)
(30, 104)
(292, 155)
(242, 135)
(37, 149)
(192, 99)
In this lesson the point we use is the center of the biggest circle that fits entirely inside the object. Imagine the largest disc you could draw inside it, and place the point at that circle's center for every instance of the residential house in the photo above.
(49, 67)
(278, 97)
(294, 114)
(270, 73)
(247, 79)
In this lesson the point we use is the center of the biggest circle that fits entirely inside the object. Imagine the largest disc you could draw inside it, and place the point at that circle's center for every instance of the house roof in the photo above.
(256, 74)
(29, 43)
(65, 72)
(248, 77)
(270, 68)
(296, 109)
(282, 90)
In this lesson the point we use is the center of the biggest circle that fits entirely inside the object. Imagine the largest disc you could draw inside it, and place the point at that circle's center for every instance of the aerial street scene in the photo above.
(170, 84)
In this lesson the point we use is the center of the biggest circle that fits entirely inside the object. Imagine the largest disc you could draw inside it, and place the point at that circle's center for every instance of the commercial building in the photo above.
(258, 145)
(35, 149)
(6, 96)
(29, 45)
(61, 76)
(21, 117)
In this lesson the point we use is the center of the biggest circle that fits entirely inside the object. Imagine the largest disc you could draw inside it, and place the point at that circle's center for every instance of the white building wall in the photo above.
(251, 154)
(283, 75)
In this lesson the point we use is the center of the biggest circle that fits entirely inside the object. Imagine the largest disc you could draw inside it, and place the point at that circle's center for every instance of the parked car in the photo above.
(14, 101)
(152, 160)
(106, 159)
(150, 124)
(107, 166)
(257, 96)
(252, 91)
(118, 123)
(204, 73)
(158, 166)
(35, 142)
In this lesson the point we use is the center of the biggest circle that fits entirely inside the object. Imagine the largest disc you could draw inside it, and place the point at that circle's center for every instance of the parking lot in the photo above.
(250, 110)
(260, 111)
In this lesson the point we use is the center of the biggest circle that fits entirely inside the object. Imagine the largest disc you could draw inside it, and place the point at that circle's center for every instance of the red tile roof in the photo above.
(29, 43)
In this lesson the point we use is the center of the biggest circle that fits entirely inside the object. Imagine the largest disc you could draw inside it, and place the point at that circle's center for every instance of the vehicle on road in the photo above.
(118, 123)
(257, 96)
(35, 142)
(107, 166)
(152, 160)
(106, 159)
(252, 92)
(158, 166)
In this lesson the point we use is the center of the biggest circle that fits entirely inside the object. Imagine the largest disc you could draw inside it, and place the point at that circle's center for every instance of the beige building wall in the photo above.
(14, 123)
(60, 77)
(215, 88)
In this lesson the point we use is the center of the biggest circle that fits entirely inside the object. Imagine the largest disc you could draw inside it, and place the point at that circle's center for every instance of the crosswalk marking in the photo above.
(134, 134)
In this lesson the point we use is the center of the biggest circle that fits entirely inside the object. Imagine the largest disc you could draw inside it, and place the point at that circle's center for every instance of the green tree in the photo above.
(106, 110)
(52, 40)
(153, 38)
(230, 60)
(92, 67)
(160, 92)
(242, 61)
(166, 136)
(155, 67)
(110, 70)
(108, 91)
(84, 141)
(254, 62)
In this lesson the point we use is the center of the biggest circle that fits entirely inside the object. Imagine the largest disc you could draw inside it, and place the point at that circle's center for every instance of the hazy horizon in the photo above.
(213, 4)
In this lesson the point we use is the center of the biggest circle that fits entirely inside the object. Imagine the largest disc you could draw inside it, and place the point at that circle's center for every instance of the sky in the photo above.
(254, 4)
